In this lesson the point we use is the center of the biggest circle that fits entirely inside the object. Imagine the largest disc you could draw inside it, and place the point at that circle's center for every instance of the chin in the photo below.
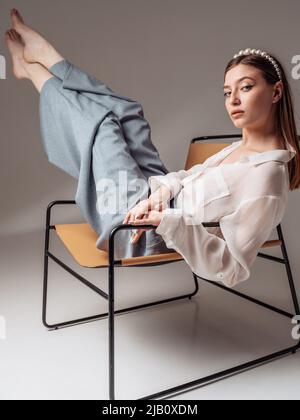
(239, 124)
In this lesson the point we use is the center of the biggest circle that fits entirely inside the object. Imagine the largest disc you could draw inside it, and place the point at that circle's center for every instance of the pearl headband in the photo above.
(248, 51)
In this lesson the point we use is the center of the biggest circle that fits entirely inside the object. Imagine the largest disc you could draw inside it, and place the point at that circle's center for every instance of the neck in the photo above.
(261, 140)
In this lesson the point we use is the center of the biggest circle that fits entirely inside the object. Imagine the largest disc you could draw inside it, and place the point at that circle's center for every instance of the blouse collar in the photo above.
(282, 155)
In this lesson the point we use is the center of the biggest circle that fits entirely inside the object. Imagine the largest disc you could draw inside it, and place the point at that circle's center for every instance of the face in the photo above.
(246, 90)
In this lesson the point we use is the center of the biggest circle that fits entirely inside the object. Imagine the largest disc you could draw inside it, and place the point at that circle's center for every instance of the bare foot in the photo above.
(16, 48)
(36, 48)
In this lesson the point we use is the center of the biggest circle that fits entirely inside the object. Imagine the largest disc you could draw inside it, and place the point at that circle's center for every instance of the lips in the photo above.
(237, 112)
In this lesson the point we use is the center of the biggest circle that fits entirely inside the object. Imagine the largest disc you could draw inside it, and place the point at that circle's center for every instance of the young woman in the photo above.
(100, 137)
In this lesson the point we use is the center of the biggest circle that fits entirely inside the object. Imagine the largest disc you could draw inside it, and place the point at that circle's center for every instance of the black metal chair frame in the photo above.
(111, 301)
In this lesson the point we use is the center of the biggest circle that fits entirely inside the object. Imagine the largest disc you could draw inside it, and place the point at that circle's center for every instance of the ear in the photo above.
(277, 91)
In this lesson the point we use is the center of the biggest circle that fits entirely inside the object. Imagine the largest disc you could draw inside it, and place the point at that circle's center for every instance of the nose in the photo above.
(234, 99)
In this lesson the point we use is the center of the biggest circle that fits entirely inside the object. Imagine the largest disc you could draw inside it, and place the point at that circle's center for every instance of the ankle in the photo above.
(51, 58)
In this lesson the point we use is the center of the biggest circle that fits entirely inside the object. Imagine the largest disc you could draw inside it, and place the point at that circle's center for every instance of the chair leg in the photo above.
(111, 323)
(196, 286)
(290, 278)
(111, 329)
(288, 270)
(45, 280)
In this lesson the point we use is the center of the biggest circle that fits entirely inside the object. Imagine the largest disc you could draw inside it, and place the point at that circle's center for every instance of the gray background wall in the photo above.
(168, 54)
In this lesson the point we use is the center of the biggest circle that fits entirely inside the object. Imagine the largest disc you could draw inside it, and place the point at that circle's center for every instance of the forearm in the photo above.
(161, 195)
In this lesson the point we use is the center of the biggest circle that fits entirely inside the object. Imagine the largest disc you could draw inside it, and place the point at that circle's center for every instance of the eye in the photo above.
(248, 87)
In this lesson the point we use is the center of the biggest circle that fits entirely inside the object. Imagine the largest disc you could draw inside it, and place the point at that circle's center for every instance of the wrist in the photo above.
(161, 196)
(157, 202)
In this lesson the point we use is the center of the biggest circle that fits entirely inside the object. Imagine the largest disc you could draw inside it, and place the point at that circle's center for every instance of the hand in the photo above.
(138, 211)
(141, 213)
(153, 218)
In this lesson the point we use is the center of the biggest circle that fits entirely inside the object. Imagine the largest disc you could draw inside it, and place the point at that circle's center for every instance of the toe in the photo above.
(17, 35)
(16, 20)
(18, 14)
(14, 16)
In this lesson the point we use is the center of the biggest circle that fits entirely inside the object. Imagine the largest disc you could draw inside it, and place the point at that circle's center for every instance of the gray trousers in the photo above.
(103, 140)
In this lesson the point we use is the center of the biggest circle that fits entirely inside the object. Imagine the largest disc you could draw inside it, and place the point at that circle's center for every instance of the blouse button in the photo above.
(220, 275)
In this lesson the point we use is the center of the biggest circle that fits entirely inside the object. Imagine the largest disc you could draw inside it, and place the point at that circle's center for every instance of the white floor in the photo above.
(156, 348)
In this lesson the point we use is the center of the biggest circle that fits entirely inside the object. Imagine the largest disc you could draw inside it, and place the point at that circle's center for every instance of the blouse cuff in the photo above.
(169, 224)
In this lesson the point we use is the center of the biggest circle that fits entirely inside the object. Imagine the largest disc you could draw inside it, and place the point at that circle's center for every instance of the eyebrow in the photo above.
(239, 80)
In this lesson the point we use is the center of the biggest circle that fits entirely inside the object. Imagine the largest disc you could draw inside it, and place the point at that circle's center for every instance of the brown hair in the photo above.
(284, 116)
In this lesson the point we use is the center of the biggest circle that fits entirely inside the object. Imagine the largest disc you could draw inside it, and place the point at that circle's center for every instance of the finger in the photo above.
(141, 222)
(137, 236)
(139, 216)
(134, 235)
(140, 231)
(127, 218)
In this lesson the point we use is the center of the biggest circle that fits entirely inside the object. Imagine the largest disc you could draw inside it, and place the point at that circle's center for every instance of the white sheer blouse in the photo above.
(248, 199)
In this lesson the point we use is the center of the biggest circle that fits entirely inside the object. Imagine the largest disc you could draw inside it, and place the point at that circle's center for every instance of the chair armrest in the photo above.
(123, 226)
(113, 232)
(52, 204)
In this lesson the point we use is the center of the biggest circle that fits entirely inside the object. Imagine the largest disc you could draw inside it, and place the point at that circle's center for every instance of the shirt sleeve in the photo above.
(227, 260)
(172, 180)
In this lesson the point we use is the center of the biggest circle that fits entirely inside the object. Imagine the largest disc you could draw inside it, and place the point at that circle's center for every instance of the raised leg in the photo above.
(85, 138)
(135, 127)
